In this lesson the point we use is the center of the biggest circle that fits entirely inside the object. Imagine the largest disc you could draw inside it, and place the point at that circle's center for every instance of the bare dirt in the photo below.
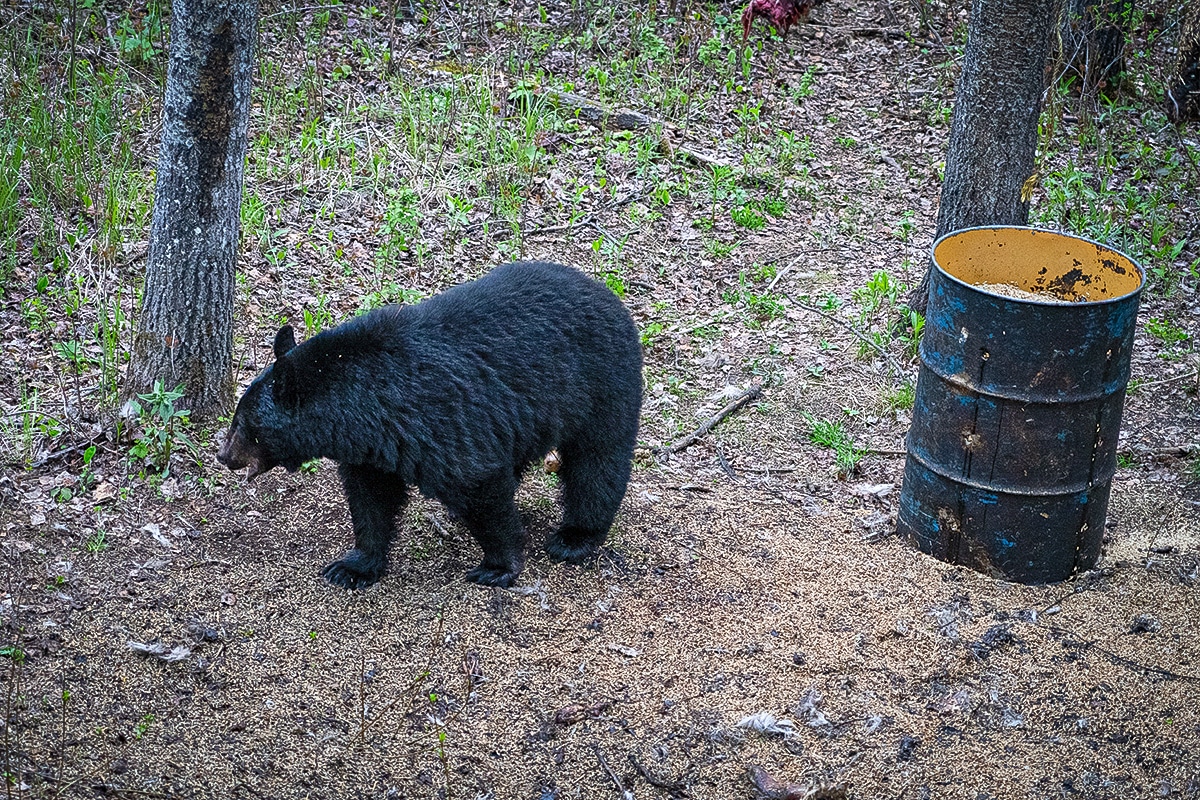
(745, 575)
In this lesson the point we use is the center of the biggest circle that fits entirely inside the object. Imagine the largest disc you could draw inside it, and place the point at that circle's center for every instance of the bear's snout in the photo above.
(237, 453)
(228, 455)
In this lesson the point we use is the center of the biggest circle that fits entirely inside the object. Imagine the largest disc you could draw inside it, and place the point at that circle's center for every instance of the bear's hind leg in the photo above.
(594, 482)
(492, 518)
(375, 497)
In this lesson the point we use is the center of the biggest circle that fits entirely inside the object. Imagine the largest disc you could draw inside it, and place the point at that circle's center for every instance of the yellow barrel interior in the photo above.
(1062, 268)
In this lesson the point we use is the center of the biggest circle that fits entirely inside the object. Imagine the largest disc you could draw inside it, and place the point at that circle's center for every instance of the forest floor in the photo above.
(164, 631)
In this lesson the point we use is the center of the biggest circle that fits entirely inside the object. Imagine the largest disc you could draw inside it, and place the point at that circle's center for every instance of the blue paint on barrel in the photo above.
(1018, 404)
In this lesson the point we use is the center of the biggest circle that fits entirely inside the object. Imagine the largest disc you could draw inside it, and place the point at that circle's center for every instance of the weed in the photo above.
(97, 542)
(649, 332)
(13, 653)
(140, 729)
(162, 427)
(804, 87)
(1165, 331)
(616, 283)
(748, 217)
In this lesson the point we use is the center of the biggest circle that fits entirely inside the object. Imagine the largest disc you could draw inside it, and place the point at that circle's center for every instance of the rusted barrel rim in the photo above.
(1140, 271)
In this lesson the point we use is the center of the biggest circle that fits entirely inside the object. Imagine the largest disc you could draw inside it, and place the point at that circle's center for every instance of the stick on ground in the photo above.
(742, 399)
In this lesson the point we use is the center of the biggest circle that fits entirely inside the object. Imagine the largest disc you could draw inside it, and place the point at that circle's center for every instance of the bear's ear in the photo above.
(285, 340)
(283, 383)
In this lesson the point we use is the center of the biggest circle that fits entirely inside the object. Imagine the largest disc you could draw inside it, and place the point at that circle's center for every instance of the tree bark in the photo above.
(993, 138)
(1183, 89)
(185, 331)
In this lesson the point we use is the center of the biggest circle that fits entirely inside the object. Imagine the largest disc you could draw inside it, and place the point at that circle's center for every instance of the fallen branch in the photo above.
(596, 113)
(891, 361)
(600, 115)
(742, 399)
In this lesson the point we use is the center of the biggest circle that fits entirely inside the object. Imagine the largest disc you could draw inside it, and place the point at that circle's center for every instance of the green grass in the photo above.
(833, 435)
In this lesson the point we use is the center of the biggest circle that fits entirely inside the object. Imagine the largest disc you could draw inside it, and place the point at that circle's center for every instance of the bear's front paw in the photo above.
(486, 575)
(573, 544)
(355, 571)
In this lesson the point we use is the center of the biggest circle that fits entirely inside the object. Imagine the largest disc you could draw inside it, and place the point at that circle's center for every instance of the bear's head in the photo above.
(260, 435)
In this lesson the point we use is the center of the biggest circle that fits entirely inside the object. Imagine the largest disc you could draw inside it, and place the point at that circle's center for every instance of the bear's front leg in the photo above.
(375, 497)
(492, 518)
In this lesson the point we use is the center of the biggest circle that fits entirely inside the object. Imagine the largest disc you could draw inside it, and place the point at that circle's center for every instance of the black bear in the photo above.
(456, 396)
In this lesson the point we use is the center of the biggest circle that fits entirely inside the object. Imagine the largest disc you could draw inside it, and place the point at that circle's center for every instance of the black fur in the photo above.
(457, 395)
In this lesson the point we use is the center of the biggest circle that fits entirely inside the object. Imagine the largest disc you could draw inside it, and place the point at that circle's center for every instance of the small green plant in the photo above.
(804, 88)
(72, 353)
(1165, 331)
(319, 318)
(86, 476)
(614, 282)
(97, 542)
(826, 433)
(649, 332)
(162, 427)
(13, 653)
(143, 726)
(881, 288)
(912, 328)
(906, 226)
(748, 217)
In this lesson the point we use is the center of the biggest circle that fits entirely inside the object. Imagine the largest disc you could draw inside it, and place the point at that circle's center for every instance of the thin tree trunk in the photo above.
(993, 138)
(1093, 41)
(185, 331)
(1183, 89)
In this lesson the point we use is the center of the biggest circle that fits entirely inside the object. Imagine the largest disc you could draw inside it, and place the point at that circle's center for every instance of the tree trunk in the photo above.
(185, 331)
(1093, 41)
(1183, 89)
(993, 139)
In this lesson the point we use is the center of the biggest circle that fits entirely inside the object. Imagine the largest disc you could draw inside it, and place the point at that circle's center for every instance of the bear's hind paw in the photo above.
(485, 575)
(348, 573)
(573, 545)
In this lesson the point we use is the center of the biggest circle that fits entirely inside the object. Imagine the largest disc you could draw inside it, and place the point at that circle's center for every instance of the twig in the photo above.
(612, 776)
(676, 789)
(300, 11)
(775, 280)
(1122, 660)
(1193, 374)
(742, 399)
(892, 362)
(437, 524)
(66, 451)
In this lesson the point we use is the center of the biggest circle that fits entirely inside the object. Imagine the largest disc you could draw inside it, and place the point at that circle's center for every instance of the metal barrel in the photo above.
(1013, 442)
